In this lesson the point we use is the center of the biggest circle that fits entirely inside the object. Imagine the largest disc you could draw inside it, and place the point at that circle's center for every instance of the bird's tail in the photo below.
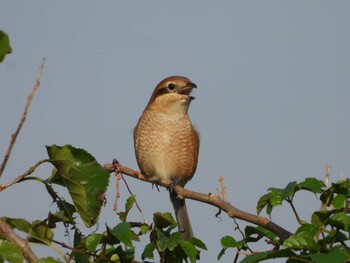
(181, 214)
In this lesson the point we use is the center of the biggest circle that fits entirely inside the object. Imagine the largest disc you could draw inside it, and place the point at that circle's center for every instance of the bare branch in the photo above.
(209, 198)
(7, 232)
(24, 116)
(21, 177)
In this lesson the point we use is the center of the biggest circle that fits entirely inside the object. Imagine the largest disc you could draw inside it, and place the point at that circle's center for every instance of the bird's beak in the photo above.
(186, 90)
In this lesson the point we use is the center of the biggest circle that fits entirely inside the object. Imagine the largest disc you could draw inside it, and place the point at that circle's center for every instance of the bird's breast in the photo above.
(166, 146)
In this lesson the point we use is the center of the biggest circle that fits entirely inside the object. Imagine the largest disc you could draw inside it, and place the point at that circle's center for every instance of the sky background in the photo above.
(272, 103)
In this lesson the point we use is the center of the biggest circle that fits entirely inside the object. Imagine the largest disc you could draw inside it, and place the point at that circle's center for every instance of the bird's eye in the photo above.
(171, 86)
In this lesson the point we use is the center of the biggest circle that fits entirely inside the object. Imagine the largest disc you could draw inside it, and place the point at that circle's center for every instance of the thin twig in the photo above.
(300, 221)
(328, 174)
(21, 177)
(117, 170)
(7, 232)
(211, 199)
(117, 195)
(131, 193)
(24, 116)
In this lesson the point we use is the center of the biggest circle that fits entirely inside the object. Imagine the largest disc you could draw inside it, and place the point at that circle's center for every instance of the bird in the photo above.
(166, 143)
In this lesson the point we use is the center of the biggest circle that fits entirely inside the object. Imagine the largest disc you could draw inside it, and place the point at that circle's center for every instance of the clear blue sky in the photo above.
(272, 104)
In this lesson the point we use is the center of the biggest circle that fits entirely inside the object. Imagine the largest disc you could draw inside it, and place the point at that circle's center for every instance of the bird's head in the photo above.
(172, 95)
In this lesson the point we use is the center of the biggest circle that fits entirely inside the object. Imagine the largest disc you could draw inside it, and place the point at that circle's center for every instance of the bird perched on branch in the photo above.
(166, 144)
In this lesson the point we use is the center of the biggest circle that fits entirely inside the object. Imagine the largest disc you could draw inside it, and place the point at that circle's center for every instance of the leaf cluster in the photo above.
(321, 239)
(86, 181)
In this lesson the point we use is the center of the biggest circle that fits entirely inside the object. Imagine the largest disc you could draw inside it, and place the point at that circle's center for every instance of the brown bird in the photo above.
(166, 144)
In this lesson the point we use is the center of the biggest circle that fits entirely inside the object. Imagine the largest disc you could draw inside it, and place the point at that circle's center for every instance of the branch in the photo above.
(21, 177)
(209, 198)
(24, 116)
(7, 232)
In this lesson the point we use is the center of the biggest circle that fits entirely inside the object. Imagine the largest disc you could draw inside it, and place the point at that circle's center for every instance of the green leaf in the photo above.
(93, 241)
(122, 232)
(336, 255)
(258, 257)
(19, 223)
(161, 241)
(198, 243)
(339, 201)
(173, 240)
(276, 196)
(84, 177)
(260, 232)
(289, 191)
(148, 251)
(5, 47)
(128, 205)
(40, 232)
(189, 249)
(228, 241)
(312, 184)
(56, 178)
(144, 229)
(79, 242)
(340, 220)
(48, 260)
(307, 230)
(10, 252)
(263, 201)
(320, 218)
(163, 220)
(301, 242)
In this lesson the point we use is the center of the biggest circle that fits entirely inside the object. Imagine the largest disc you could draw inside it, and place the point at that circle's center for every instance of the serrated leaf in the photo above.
(307, 230)
(263, 201)
(92, 241)
(122, 232)
(148, 251)
(163, 220)
(84, 177)
(189, 249)
(312, 184)
(301, 242)
(10, 252)
(5, 47)
(339, 201)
